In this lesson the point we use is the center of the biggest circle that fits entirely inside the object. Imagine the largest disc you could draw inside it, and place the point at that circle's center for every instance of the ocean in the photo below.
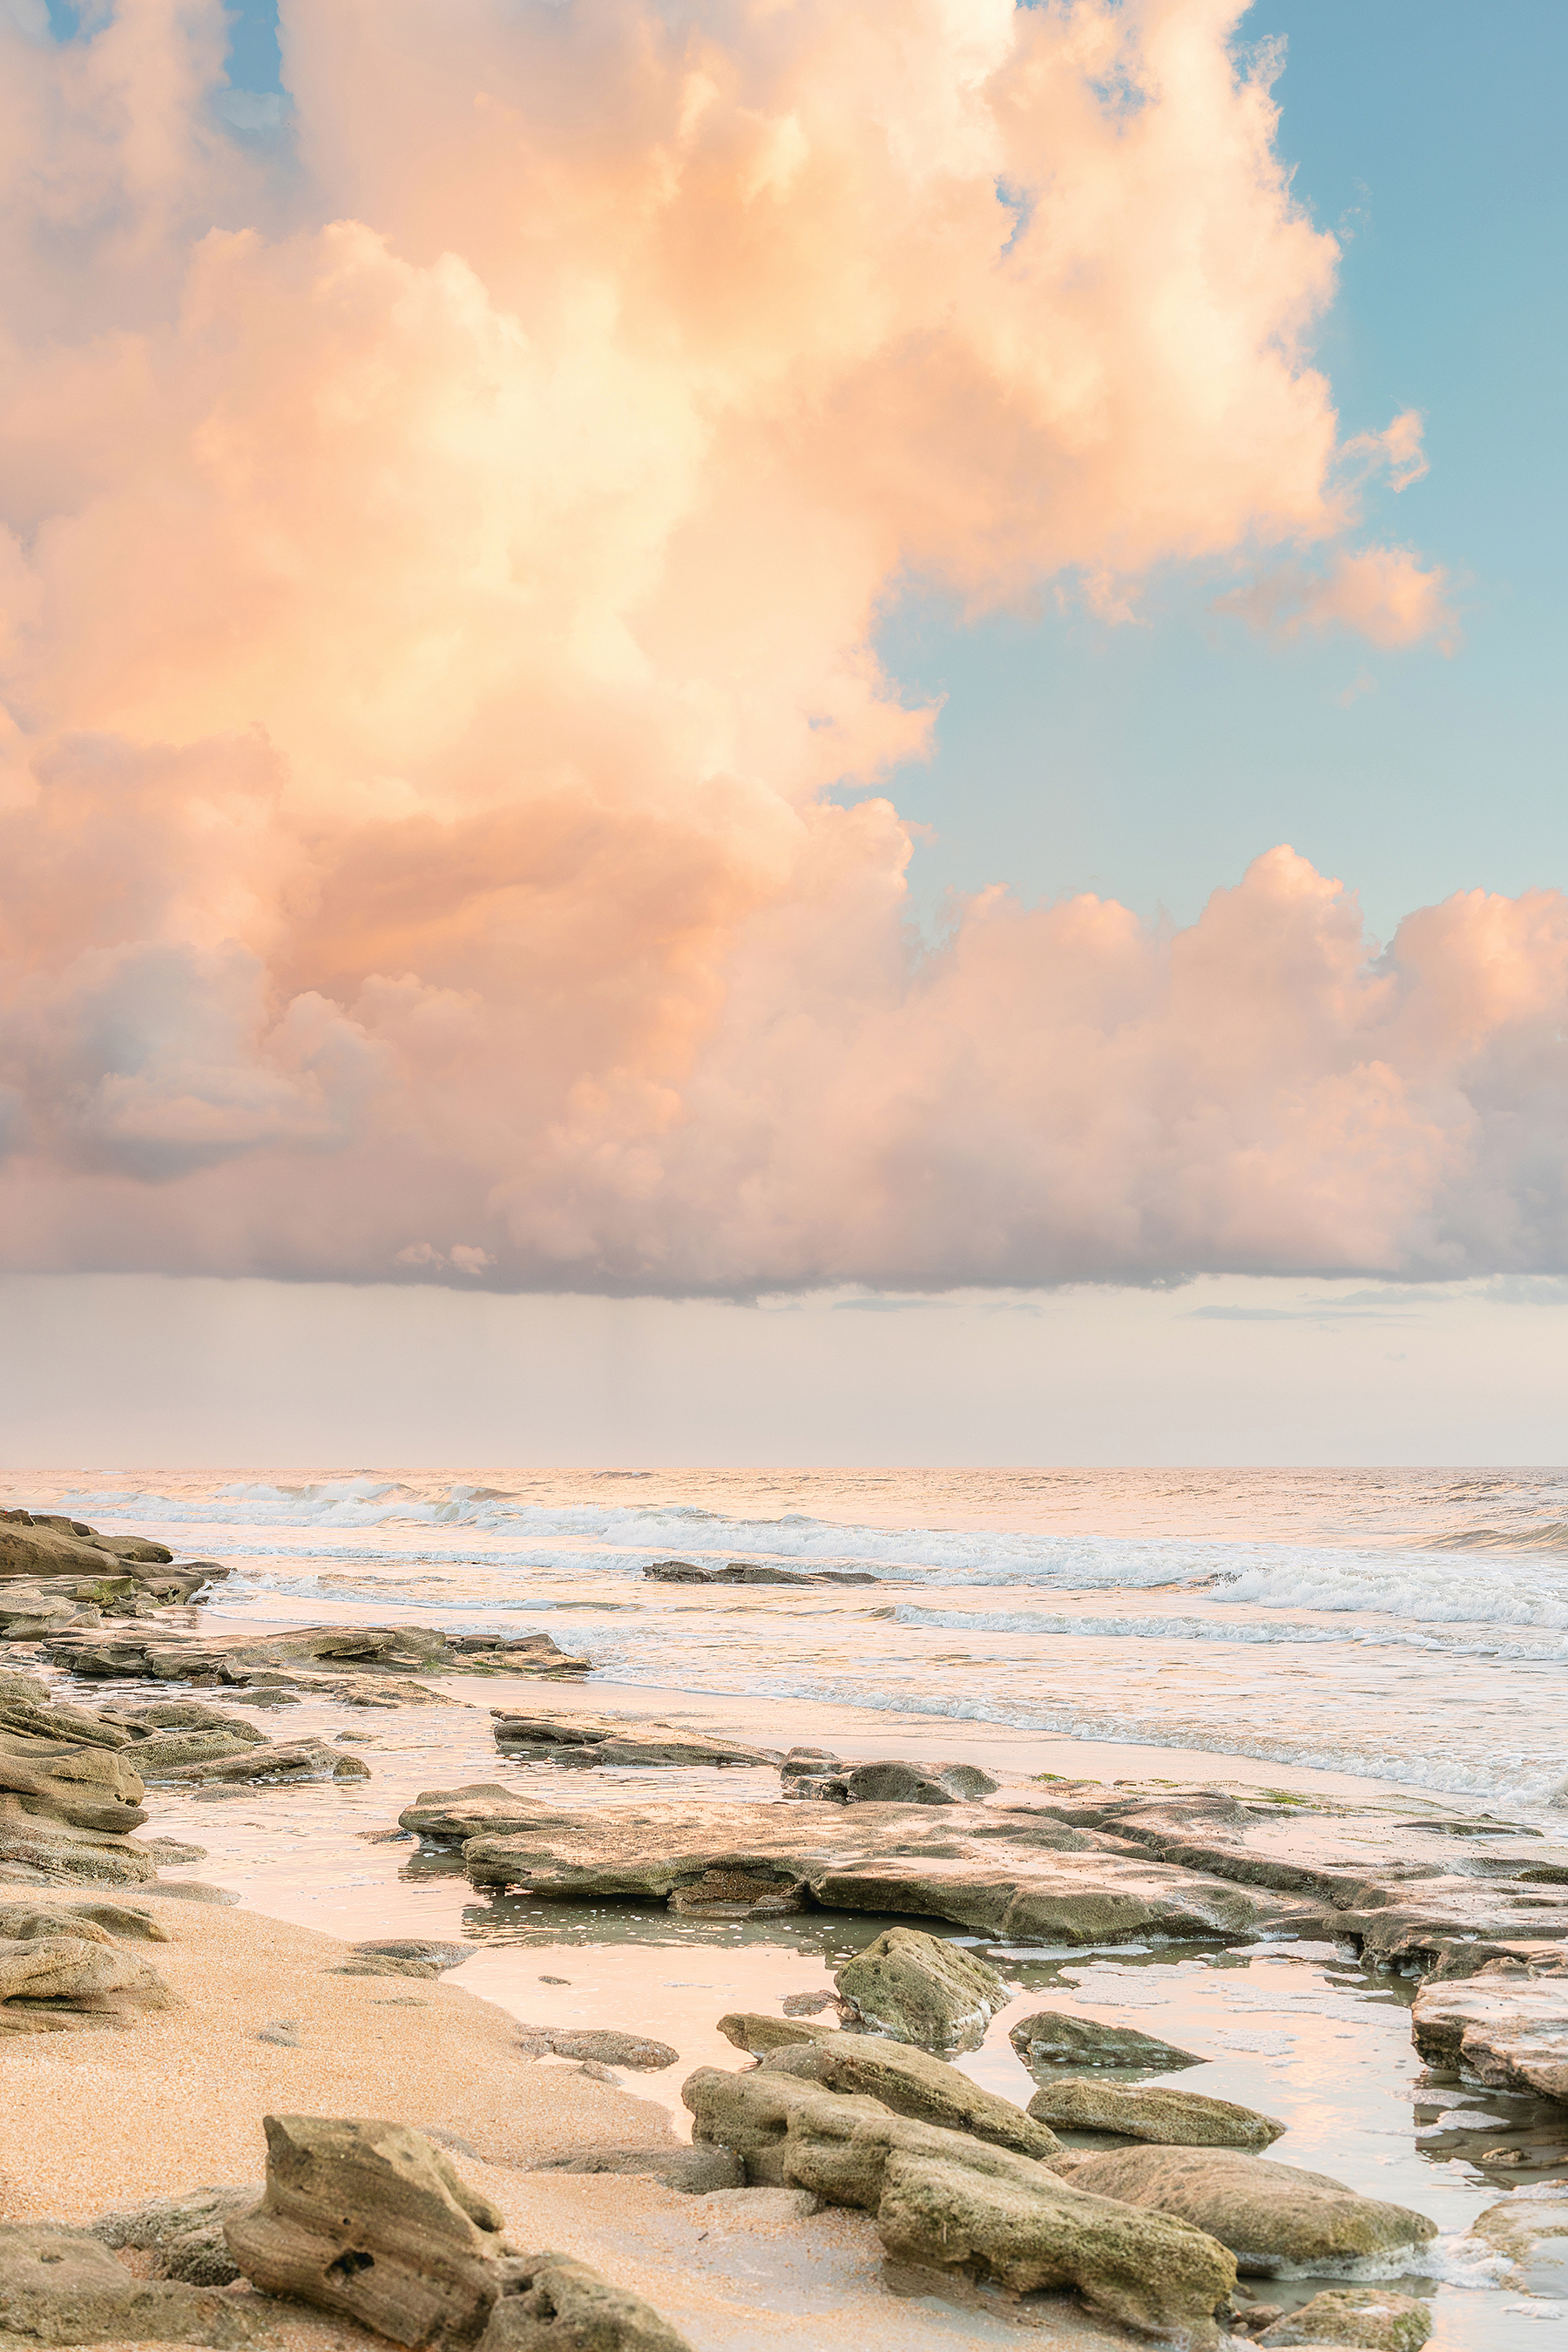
(1406, 1626)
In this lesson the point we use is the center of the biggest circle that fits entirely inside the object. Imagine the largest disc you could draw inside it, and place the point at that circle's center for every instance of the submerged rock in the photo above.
(1173, 2118)
(615, 1739)
(64, 2286)
(1529, 2232)
(919, 1988)
(602, 2046)
(1368, 2317)
(1271, 2216)
(1052, 2038)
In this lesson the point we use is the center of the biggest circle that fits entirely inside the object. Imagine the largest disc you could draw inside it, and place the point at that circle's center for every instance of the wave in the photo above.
(1088, 1627)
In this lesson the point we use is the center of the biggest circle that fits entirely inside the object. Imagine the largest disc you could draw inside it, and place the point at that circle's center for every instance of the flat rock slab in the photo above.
(977, 1867)
(1272, 2216)
(1509, 2032)
(448, 1817)
(1368, 2317)
(1169, 2118)
(617, 1739)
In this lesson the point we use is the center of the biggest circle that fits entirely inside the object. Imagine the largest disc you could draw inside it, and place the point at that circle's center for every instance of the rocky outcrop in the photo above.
(53, 1983)
(615, 1740)
(600, 2044)
(1505, 2027)
(942, 2199)
(372, 2221)
(1525, 2237)
(745, 1572)
(981, 1868)
(44, 1851)
(95, 1923)
(184, 2234)
(919, 1988)
(1171, 2118)
(64, 2286)
(1367, 2316)
(88, 1787)
(162, 1655)
(1271, 2216)
(905, 2081)
(45, 1543)
(1050, 2038)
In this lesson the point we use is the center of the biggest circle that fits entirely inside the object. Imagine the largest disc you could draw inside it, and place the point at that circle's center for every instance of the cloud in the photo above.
(1384, 594)
(440, 555)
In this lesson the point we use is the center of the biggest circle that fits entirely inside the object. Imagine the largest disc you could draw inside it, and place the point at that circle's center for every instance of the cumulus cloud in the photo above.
(439, 562)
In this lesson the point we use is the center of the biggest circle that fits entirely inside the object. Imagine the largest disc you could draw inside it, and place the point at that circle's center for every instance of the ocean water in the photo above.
(1409, 1626)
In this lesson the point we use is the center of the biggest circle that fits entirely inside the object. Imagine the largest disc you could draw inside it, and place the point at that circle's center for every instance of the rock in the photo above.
(164, 1756)
(57, 1851)
(370, 2220)
(743, 1571)
(1369, 2316)
(406, 1956)
(940, 2199)
(695, 2171)
(612, 1740)
(892, 1783)
(93, 1922)
(1173, 2118)
(919, 1988)
(1528, 2230)
(526, 1654)
(906, 2081)
(553, 2303)
(1052, 2038)
(967, 1863)
(483, 1809)
(69, 1980)
(184, 2233)
(89, 1788)
(603, 2046)
(804, 1764)
(300, 1759)
(1509, 2030)
(1271, 2216)
(807, 2004)
(64, 2286)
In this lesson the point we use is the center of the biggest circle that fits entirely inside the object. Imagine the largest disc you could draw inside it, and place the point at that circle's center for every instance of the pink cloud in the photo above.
(437, 587)
(1382, 594)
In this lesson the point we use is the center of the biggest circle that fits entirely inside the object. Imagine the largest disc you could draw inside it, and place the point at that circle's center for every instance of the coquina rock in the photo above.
(615, 1739)
(1504, 2026)
(448, 1817)
(185, 2234)
(53, 1983)
(922, 1990)
(555, 2303)
(64, 2286)
(889, 1781)
(89, 1786)
(1529, 2232)
(1173, 2118)
(54, 1851)
(602, 2045)
(944, 2199)
(27, 1917)
(1271, 2216)
(905, 2081)
(1368, 2317)
(371, 2221)
(1052, 2038)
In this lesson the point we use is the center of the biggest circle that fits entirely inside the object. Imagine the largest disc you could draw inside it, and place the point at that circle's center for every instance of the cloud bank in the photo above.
(441, 548)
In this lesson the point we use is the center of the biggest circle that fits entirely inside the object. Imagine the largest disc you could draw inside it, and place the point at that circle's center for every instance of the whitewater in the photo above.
(1409, 1626)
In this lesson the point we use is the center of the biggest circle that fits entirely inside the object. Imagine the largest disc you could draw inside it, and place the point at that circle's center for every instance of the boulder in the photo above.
(1271, 2216)
(445, 1817)
(50, 1983)
(64, 2286)
(695, 2171)
(89, 1788)
(1173, 2118)
(55, 1851)
(1049, 2037)
(93, 1923)
(906, 2081)
(551, 2302)
(183, 2233)
(892, 1783)
(601, 2045)
(919, 1988)
(404, 1955)
(941, 2200)
(615, 1739)
(1507, 2029)
(370, 2220)
(1368, 2317)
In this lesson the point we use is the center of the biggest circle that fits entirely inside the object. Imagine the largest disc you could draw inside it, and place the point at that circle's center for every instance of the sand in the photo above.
(94, 2120)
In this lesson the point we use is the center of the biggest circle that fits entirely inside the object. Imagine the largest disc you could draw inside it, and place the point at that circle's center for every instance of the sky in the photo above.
(844, 715)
